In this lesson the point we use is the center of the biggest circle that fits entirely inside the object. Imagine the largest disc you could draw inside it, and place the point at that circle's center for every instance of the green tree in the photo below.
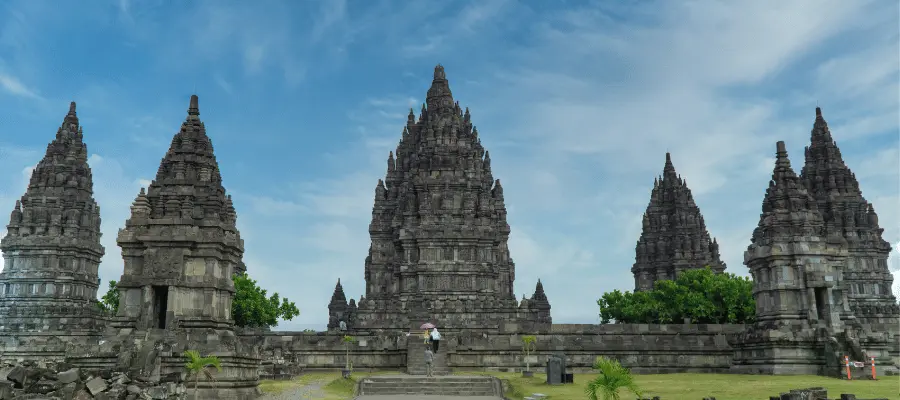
(109, 303)
(611, 378)
(529, 345)
(698, 295)
(348, 340)
(197, 365)
(251, 308)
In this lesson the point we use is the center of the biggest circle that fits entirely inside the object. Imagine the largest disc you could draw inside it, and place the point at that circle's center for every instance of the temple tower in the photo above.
(181, 245)
(797, 268)
(52, 251)
(338, 308)
(439, 232)
(674, 236)
(848, 214)
(798, 263)
(180, 248)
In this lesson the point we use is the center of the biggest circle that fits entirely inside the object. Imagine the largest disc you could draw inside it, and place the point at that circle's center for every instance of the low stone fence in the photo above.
(289, 353)
(645, 348)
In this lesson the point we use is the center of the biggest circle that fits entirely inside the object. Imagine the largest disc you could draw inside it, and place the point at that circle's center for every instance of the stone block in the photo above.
(96, 385)
(68, 376)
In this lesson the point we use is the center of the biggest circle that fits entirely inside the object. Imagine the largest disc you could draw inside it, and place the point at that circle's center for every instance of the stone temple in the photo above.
(847, 214)
(674, 236)
(438, 254)
(439, 233)
(48, 287)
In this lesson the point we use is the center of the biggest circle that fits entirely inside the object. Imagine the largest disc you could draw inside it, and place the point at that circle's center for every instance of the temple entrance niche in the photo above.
(161, 296)
(821, 303)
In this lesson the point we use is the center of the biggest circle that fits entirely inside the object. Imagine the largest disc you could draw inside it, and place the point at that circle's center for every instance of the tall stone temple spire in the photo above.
(52, 247)
(181, 248)
(674, 236)
(439, 232)
(181, 245)
(846, 213)
(798, 286)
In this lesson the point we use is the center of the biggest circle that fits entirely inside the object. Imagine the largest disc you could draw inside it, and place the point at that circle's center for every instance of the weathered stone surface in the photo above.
(674, 236)
(846, 213)
(181, 248)
(52, 251)
(68, 376)
(439, 232)
(797, 264)
(96, 385)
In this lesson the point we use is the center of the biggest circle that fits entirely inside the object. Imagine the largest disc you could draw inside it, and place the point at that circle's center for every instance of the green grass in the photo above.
(698, 386)
(333, 385)
(666, 386)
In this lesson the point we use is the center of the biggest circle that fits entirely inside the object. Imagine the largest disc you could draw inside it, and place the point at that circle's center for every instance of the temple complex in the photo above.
(48, 286)
(439, 253)
(674, 236)
(846, 213)
(439, 232)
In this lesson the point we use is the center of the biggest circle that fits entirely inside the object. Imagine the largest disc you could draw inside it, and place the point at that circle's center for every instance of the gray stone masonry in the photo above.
(439, 232)
(674, 236)
(451, 385)
(48, 286)
(181, 248)
(60, 381)
(804, 323)
(846, 213)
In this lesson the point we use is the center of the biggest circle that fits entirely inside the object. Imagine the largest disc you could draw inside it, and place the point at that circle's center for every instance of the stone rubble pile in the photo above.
(28, 381)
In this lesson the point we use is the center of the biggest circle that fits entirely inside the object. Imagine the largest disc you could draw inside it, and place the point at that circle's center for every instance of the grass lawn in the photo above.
(332, 385)
(666, 386)
(698, 386)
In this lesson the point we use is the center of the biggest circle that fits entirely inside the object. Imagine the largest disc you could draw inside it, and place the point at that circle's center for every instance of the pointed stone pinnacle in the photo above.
(72, 108)
(194, 107)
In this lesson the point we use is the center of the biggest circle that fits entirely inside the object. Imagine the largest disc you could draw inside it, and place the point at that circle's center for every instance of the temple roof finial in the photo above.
(194, 107)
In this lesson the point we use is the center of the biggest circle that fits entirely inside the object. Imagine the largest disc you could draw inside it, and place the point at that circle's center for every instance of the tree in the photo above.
(348, 340)
(528, 347)
(109, 303)
(197, 365)
(699, 295)
(612, 377)
(252, 309)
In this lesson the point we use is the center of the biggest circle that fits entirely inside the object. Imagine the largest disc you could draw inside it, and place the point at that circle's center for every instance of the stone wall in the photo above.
(645, 348)
(296, 351)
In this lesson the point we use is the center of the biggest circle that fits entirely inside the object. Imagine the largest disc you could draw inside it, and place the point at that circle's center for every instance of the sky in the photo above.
(577, 104)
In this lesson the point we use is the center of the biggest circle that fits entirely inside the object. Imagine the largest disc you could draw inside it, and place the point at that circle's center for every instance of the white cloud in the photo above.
(13, 86)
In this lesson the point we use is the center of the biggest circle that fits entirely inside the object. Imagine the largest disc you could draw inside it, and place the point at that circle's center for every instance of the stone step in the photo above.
(427, 392)
(479, 386)
(452, 385)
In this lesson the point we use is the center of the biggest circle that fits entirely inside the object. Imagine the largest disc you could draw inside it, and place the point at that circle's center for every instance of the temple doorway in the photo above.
(161, 294)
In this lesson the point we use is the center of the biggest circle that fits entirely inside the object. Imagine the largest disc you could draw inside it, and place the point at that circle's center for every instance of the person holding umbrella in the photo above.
(425, 334)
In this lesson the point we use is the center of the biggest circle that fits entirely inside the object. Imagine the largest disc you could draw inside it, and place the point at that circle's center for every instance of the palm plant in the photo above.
(347, 341)
(611, 378)
(197, 365)
(529, 345)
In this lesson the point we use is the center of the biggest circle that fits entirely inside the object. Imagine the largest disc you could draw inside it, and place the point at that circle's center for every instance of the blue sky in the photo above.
(577, 103)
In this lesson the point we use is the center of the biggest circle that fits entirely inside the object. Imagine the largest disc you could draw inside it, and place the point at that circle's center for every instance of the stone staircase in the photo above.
(448, 385)
(415, 358)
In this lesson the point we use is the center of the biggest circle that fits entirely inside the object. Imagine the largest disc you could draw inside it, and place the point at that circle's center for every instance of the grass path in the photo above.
(330, 386)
